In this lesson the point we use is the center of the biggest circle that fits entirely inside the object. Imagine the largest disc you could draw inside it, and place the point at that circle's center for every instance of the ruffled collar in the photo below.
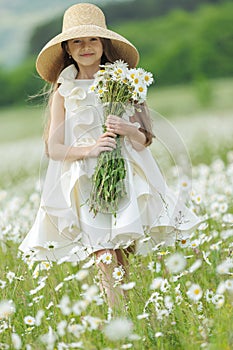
(72, 89)
(68, 73)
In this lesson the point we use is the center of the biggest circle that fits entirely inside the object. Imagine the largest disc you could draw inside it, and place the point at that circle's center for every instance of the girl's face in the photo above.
(85, 51)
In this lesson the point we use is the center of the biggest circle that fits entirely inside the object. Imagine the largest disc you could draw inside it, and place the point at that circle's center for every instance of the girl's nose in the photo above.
(86, 44)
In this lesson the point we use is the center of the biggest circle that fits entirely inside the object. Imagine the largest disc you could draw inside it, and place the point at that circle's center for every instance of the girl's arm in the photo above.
(122, 127)
(58, 150)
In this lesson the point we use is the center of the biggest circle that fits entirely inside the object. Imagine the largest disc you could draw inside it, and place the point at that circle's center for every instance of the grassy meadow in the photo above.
(176, 297)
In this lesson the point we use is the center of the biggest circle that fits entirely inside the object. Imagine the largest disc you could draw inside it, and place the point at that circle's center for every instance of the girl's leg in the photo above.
(114, 294)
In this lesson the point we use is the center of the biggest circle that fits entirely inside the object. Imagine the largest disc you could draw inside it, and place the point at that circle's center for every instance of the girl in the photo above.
(64, 227)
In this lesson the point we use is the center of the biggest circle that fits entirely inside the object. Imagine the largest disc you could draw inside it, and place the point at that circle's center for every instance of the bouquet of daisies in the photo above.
(116, 86)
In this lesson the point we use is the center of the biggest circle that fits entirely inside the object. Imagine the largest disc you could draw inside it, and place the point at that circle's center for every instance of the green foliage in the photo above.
(182, 46)
(42, 34)
(20, 83)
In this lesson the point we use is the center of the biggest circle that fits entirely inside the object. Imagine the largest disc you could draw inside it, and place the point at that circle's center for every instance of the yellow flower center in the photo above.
(196, 291)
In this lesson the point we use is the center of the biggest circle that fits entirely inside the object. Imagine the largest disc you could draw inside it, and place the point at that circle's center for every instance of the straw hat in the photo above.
(81, 20)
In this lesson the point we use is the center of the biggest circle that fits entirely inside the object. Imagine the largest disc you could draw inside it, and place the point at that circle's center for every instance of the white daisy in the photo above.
(91, 322)
(128, 286)
(218, 300)
(16, 341)
(184, 242)
(223, 207)
(221, 288)
(209, 295)
(198, 199)
(91, 293)
(61, 326)
(156, 283)
(2, 284)
(118, 273)
(106, 258)
(7, 308)
(158, 334)
(39, 317)
(118, 328)
(81, 274)
(142, 316)
(49, 338)
(195, 266)
(29, 320)
(175, 263)
(46, 265)
(225, 266)
(79, 306)
(195, 292)
(10, 276)
(64, 305)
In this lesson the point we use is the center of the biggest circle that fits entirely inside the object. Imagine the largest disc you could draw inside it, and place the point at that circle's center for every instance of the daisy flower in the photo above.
(218, 300)
(142, 316)
(29, 320)
(225, 266)
(195, 292)
(175, 263)
(16, 341)
(156, 283)
(118, 328)
(81, 274)
(195, 266)
(147, 77)
(10, 276)
(229, 285)
(106, 258)
(128, 286)
(2, 284)
(184, 242)
(118, 273)
(7, 308)
(198, 199)
(209, 295)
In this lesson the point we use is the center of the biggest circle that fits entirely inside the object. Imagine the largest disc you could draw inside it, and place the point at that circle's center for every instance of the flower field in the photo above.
(175, 298)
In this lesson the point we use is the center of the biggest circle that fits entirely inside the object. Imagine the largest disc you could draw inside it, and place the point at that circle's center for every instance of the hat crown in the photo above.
(83, 14)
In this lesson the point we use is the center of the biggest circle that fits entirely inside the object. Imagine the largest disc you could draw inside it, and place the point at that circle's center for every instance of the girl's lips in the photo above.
(87, 54)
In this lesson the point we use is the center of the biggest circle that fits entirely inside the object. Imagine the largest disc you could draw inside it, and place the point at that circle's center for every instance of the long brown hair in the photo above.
(142, 114)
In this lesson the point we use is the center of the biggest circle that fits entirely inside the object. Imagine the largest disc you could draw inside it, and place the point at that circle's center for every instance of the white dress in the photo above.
(148, 215)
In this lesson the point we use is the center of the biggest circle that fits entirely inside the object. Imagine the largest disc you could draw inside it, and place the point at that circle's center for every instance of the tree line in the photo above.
(181, 47)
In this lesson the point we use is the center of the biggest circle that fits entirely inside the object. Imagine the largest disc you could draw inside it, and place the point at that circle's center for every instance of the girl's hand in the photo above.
(106, 142)
(120, 126)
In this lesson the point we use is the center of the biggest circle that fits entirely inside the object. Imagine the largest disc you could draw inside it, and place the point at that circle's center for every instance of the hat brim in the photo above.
(50, 60)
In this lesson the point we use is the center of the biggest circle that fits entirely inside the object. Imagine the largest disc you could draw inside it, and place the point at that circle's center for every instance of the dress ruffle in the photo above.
(149, 214)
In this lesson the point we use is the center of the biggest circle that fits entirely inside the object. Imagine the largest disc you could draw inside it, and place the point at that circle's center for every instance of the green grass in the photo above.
(190, 325)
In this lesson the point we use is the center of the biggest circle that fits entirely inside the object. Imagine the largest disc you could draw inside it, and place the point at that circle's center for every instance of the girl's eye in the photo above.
(77, 41)
(93, 39)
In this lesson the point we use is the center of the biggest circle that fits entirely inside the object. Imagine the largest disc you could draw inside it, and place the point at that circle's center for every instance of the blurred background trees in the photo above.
(180, 41)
